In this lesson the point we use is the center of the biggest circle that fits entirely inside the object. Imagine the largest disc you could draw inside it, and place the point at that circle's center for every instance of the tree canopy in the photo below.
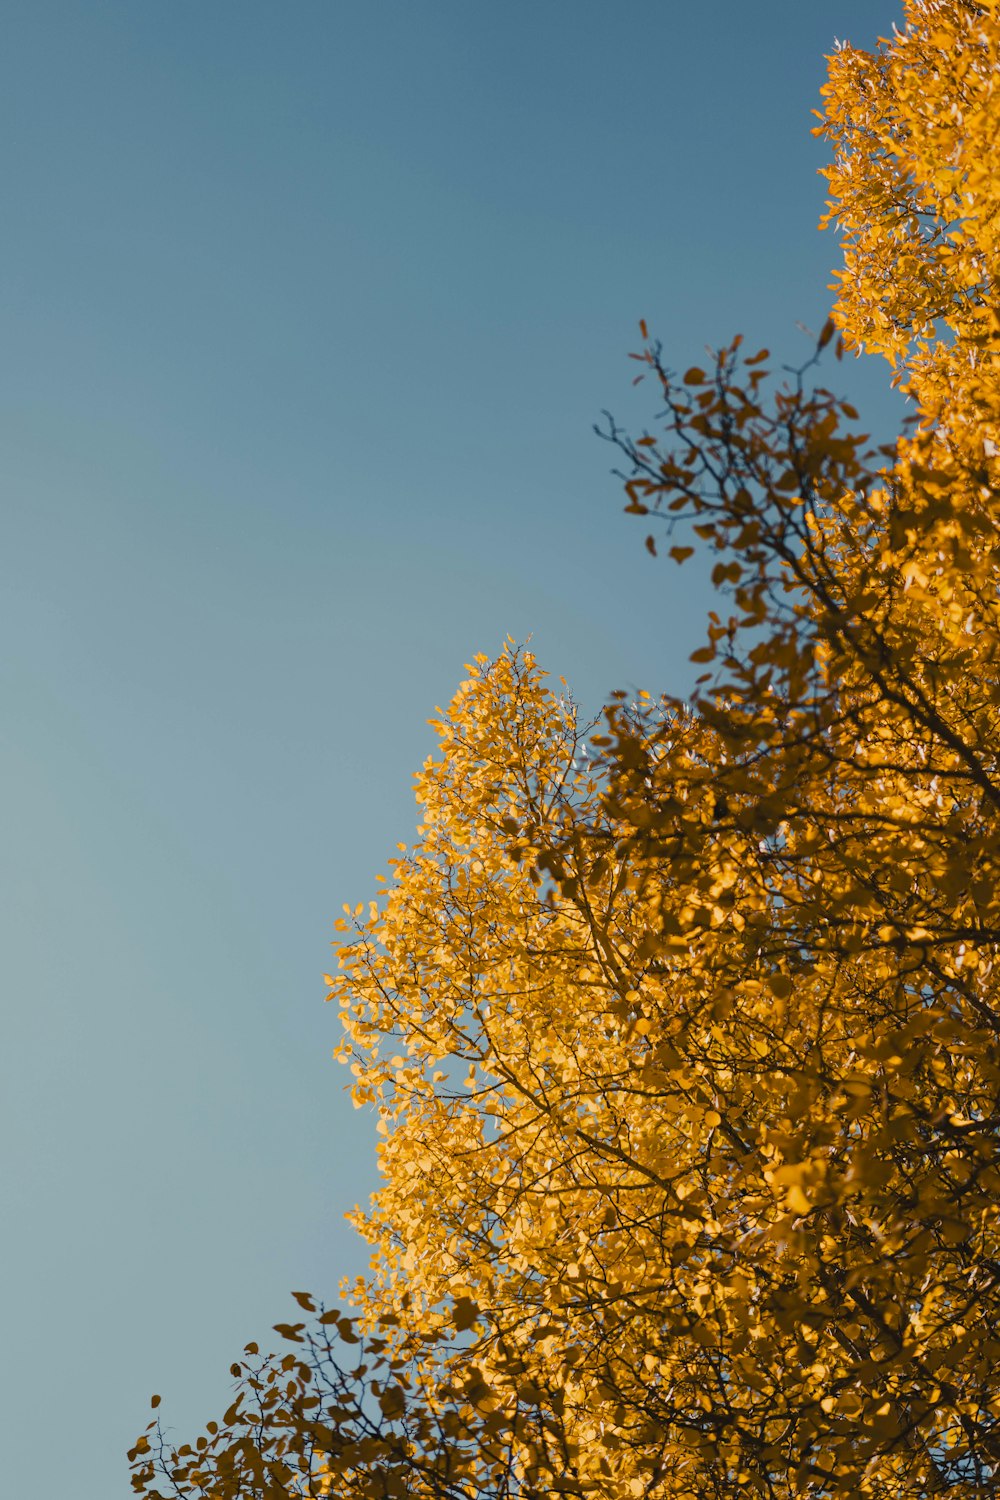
(683, 1028)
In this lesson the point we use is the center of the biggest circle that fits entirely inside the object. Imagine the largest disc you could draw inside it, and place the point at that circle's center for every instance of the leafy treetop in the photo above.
(683, 1030)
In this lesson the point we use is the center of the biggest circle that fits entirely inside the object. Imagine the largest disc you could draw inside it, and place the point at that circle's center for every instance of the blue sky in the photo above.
(307, 311)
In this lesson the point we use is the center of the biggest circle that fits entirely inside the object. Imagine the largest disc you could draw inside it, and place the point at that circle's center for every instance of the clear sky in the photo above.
(307, 310)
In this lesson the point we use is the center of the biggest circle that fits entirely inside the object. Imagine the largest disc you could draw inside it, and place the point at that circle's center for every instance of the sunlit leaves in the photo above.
(683, 1030)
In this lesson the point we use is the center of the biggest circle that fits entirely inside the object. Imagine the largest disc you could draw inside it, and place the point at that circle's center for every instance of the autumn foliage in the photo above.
(683, 1029)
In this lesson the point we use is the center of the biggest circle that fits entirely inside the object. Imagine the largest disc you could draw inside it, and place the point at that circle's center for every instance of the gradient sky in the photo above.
(307, 310)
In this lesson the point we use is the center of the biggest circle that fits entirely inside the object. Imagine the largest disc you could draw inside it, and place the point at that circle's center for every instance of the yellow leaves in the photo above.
(684, 1038)
(909, 162)
(547, 1103)
(796, 1200)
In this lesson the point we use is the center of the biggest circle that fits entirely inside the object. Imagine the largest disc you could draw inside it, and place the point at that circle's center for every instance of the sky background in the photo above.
(307, 311)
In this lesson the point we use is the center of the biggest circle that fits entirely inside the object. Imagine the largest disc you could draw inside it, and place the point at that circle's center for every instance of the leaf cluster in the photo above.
(683, 1028)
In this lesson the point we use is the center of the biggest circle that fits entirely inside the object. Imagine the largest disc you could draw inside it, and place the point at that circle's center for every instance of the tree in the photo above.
(684, 1030)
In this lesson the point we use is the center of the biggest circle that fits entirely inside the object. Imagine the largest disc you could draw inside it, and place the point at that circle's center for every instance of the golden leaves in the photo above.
(613, 1122)
(684, 1036)
(913, 186)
